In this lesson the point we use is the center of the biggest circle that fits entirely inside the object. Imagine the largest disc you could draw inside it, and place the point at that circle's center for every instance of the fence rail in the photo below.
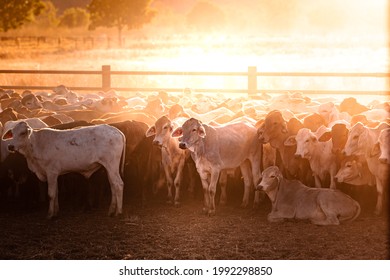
(252, 86)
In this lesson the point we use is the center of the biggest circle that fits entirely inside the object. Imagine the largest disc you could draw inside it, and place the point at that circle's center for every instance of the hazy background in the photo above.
(273, 35)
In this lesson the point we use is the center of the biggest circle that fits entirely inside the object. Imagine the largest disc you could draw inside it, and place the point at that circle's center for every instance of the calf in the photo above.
(381, 148)
(214, 149)
(51, 153)
(322, 160)
(294, 200)
(173, 158)
(361, 142)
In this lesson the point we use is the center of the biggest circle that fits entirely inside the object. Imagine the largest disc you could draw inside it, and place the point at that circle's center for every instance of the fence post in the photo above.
(252, 80)
(106, 77)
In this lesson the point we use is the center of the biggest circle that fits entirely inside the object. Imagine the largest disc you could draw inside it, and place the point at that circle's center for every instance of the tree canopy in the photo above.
(132, 14)
(14, 13)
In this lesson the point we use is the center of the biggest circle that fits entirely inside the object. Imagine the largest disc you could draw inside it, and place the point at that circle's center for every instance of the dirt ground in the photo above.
(161, 231)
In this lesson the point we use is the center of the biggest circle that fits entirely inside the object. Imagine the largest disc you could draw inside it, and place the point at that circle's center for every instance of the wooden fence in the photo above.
(252, 81)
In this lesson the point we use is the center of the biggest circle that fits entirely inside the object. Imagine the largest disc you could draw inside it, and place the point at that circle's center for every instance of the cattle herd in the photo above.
(311, 157)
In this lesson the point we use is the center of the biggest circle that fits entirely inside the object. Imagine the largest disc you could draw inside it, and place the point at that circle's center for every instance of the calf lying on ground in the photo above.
(292, 199)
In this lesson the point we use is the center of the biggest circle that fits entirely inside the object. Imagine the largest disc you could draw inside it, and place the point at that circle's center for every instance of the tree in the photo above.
(132, 14)
(74, 17)
(15, 13)
(206, 17)
(47, 17)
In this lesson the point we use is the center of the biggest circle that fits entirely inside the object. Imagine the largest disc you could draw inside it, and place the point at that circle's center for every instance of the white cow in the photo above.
(322, 160)
(293, 200)
(382, 148)
(219, 148)
(50, 153)
(173, 158)
(361, 142)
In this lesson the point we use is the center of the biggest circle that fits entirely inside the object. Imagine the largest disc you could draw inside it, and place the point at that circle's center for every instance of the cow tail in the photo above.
(122, 164)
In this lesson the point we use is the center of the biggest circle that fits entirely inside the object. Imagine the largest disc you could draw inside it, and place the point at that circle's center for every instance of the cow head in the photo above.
(18, 137)
(339, 136)
(31, 102)
(274, 125)
(190, 133)
(271, 178)
(350, 169)
(161, 130)
(355, 142)
(381, 148)
(305, 140)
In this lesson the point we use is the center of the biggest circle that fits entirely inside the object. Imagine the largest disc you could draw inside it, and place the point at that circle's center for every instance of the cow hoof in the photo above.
(223, 203)
(169, 202)
(244, 205)
(205, 210)
(177, 204)
(211, 213)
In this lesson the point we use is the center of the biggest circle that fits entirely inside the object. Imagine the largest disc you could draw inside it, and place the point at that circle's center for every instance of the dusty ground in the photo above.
(160, 231)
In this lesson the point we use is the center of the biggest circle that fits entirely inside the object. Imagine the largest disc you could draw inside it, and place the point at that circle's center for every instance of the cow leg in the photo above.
(168, 177)
(204, 178)
(317, 181)
(246, 174)
(212, 190)
(223, 184)
(379, 200)
(256, 176)
(178, 179)
(52, 192)
(116, 185)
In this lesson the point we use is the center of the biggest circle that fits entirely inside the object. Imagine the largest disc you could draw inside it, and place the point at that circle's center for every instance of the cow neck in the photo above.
(199, 147)
(371, 134)
(278, 142)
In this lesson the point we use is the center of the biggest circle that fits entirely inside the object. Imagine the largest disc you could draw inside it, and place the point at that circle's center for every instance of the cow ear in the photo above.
(326, 136)
(177, 132)
(8, 135)
(375, 150)
(151, 131)
(201, 131)
(290, 141)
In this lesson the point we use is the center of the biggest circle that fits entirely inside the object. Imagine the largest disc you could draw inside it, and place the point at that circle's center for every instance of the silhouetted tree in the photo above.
(132, 14)
(15, 13)
(74, 17)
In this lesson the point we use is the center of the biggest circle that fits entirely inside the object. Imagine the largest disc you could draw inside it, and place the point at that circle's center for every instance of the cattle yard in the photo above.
(132, 91)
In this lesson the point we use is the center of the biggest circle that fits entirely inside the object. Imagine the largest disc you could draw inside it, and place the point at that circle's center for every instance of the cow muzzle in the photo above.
(157, 143)
(11, 148)
(383, 160)
(182, 145)
(297, 156)
(259, 187)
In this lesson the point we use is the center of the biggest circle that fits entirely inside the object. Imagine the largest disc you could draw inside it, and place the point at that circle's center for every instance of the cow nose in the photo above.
(11, 148)
(382, 160)
(297, 155)
(259, 188)
(182, 145)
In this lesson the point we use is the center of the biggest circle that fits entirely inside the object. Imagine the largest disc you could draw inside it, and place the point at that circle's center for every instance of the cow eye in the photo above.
(272, 176)
(24, 133)
(356, 136)
(349, 165)
(194, 130)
